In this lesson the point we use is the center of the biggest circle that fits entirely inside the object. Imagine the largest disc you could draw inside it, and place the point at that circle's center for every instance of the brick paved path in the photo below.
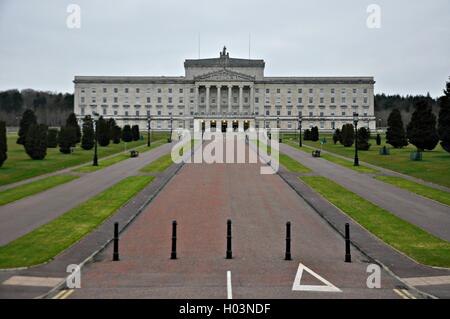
(201, 198)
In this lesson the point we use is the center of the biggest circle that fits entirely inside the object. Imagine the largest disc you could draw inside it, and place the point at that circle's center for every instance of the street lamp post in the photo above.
(95, 117)
(300, 130)
(148, 130)
(355, 121)
(170, 137)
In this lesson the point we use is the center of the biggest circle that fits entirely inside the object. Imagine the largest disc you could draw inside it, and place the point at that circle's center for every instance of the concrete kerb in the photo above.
(175, 168)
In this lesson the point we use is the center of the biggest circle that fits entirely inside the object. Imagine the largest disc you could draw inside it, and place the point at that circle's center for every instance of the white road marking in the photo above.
(33, 281)
(428, 281)
(229, 288)
(297, 286)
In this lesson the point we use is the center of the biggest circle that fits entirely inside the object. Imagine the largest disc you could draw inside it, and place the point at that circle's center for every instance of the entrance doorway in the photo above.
(224, 126)
(235, 125)
(213, 125)
(246, 125)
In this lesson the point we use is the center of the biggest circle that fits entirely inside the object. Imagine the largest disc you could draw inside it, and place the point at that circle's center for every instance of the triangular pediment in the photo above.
(224, 75)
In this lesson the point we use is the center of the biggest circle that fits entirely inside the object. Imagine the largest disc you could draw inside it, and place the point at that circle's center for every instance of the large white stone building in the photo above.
(227, 93)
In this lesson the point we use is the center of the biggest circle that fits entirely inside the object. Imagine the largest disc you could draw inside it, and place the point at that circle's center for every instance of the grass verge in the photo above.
(47, 241)
(159, 165)
(406, 237)
(22, 191)
(423, 190)
(292, 165)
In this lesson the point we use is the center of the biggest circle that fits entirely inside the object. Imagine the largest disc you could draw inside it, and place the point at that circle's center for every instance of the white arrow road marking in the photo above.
(297, 286)
(229, 288)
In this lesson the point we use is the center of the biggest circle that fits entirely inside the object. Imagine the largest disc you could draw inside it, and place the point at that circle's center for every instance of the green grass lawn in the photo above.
(159, 165)
(423, 190)
(434, 168)
(406, 237)
(47, 241)
(337, 160)
(19, 192)
(19, 166)
(288, 162)
(292, 165)
(116, 159)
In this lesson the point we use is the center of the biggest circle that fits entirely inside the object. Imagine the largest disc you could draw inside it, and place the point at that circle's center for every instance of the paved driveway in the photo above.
(201, 198)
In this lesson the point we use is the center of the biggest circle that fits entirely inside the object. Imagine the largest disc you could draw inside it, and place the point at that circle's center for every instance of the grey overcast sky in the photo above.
(409, 54)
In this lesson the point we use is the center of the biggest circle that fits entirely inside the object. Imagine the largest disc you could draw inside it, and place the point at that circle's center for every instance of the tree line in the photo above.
(51, 109)
(424, 129)
(37, 137)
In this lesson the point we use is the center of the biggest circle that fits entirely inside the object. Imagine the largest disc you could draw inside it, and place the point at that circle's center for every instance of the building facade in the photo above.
(227, 94)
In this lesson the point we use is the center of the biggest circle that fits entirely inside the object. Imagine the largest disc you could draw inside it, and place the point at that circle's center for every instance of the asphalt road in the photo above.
(23, 216)
(201, 198)
(425, 213)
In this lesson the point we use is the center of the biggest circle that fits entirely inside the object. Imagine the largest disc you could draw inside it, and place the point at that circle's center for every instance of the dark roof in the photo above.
(224, 61)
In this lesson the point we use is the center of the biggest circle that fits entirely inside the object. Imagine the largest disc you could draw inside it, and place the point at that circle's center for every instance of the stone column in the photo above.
(252, 100)
(230, 89)
(207, 99)
(197, 99)
(218, 98)
(241, 88)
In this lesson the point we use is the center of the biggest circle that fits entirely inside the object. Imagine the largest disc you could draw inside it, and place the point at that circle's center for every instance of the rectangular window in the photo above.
(267, 112)
(343, 91)
(300, 91)
(333, 91)
(115, 100)
(82, 111)
(126, 113)
(126, 90)
(343, 100)
(180, 100)
(300, 100)
(170, 100)
(256, 99)
(321, 100)
(159, 90)
(311, 91)
(181, 90)
(311, 100)
(149, 99)
(104, 90)
(267, 91)
(355, 91)
(116, 90)
(311, 114)
(333, 100)
(321, 114)
(192, 90)
(82, 99)
(278, 91)
(104, 100)
(256, 90)
(138, 90)
(365, 91)
(159, 99)
(104, 111)
(289, 112)
(170, 90)
(366, 100)
(137, 113)
(115, 112)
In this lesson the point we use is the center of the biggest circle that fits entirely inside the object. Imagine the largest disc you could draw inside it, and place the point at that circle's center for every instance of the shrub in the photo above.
(135, 132)
(116, 134)
(52, 138)
(378, 139)
(36, 141)
(307, 135)
(88, 138)
(315, 134)
(72, 122)
(363, 139)
(337, 136)
(347, 135)
(102, 132)
(395, 134)
(28, 119)
(127, 136)
(3, 144)
(421, 130)
(65, 139)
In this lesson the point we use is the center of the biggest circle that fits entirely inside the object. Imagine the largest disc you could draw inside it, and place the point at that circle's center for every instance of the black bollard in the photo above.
(348, 256)
(116, 242)
(288, 241)
(229, 251)
(173, 255)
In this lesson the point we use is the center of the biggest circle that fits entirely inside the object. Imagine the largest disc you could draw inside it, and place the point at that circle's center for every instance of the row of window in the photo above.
(267, 112)
(170, 100)
(267, 90)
